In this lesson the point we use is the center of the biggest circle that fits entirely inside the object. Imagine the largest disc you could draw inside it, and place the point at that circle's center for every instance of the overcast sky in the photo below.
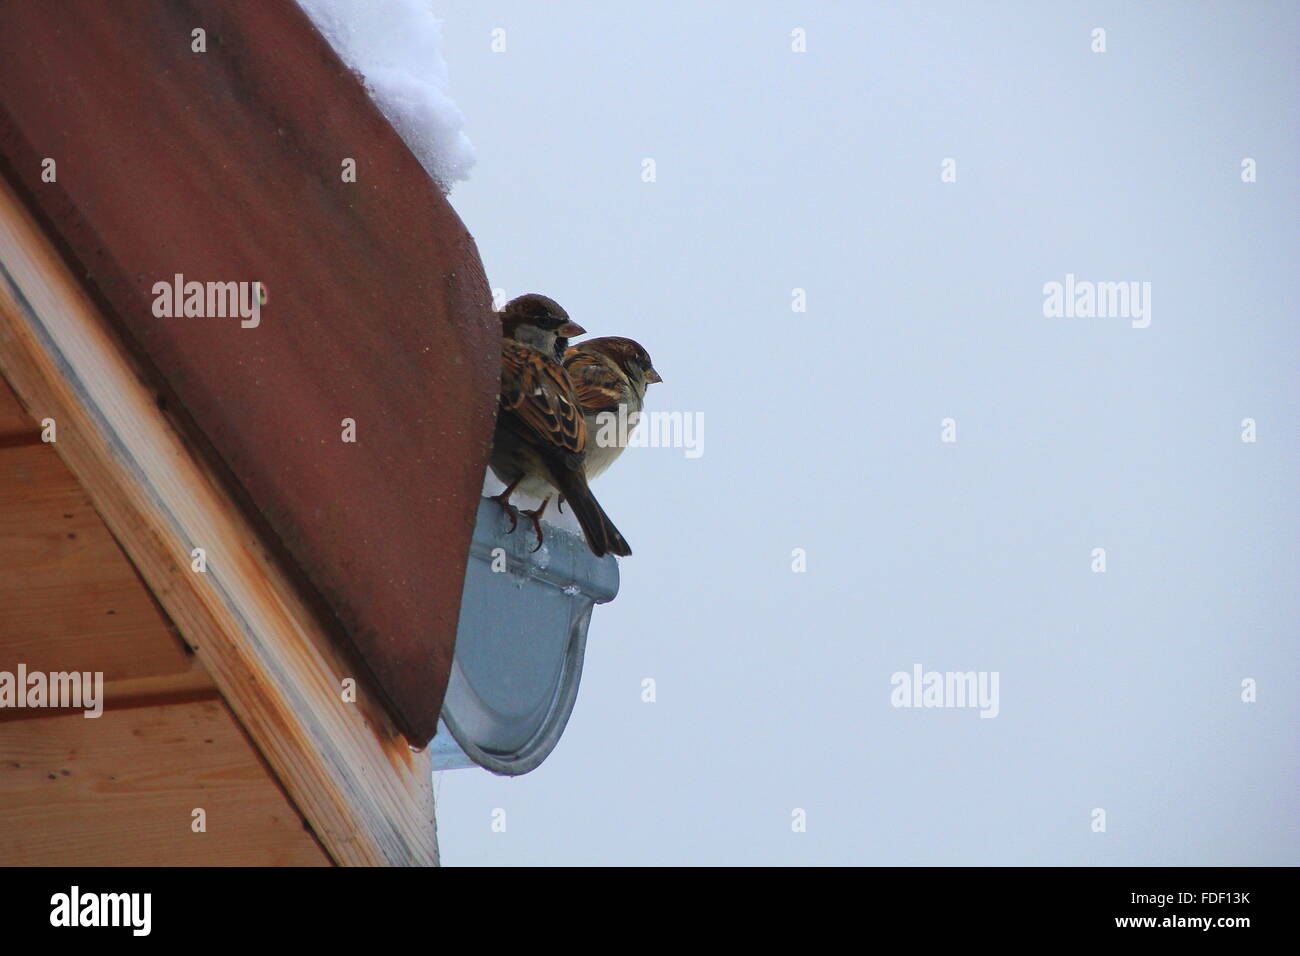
(778, 170)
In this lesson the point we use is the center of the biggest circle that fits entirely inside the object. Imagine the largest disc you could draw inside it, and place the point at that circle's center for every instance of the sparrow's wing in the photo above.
(537, 390)
(599, 386)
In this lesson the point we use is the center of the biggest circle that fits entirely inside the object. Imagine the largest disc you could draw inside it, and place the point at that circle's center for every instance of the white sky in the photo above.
(821, 171)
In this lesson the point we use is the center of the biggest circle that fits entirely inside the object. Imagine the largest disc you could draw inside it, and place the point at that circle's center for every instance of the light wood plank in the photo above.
(194, 683)
(14, 422)
(368, 797)
(119, 790)
(69, 598)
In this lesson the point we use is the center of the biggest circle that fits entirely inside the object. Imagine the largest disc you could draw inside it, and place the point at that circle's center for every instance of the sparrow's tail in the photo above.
(601, 534)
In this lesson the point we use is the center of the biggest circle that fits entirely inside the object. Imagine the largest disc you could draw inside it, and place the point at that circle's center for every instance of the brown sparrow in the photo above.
(541, 437)
(608, 372)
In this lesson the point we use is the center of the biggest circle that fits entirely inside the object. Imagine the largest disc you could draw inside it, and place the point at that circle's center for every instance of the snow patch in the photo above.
(396, 45)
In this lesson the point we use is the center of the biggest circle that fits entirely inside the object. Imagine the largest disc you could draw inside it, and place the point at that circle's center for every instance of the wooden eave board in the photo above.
(343, 764)
(123, 790)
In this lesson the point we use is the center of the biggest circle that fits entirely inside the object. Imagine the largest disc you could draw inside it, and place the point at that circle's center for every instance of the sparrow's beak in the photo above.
(652, 376)
(570, 330)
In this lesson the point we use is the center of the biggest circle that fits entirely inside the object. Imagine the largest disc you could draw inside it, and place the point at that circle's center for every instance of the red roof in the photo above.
(225, 166)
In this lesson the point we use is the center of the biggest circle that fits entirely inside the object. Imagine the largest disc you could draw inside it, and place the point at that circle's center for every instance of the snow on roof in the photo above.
(396, 46)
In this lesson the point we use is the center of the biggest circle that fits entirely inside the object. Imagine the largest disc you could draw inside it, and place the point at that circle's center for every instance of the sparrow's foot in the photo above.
(536, 518)
(559, 503)
(511, 512)
(503, 500)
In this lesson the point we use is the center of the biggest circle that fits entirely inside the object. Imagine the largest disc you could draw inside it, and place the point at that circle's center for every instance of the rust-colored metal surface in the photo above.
(226, 166)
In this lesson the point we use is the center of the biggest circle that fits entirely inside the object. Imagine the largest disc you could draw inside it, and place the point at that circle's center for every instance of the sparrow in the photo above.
(608, 372)
(540, 442)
